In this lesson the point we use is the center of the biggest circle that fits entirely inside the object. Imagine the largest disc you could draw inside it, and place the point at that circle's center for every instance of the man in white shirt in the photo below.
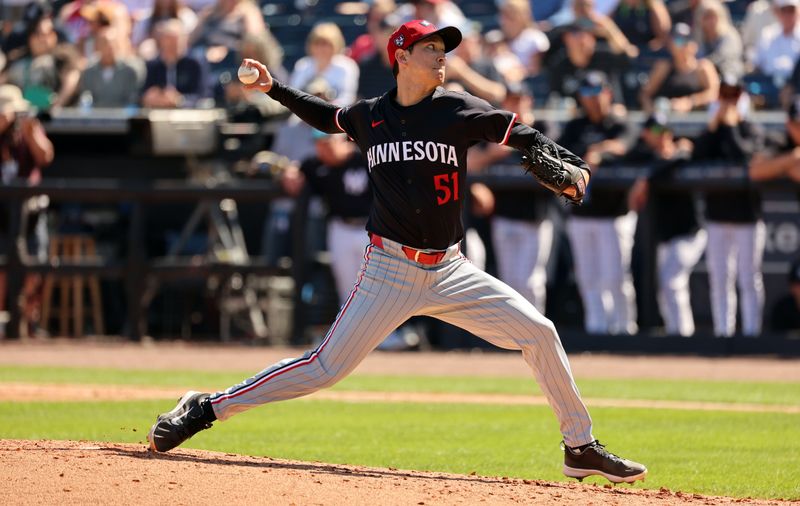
(779, 45)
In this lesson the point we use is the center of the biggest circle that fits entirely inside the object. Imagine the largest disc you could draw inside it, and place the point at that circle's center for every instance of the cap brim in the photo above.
(450, 35)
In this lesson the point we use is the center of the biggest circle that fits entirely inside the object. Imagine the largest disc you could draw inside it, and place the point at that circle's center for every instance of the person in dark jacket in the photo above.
(677, 232)
(736, 232)
(174, 79)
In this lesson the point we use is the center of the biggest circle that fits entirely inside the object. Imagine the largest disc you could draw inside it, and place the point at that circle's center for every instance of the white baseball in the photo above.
(247, 75)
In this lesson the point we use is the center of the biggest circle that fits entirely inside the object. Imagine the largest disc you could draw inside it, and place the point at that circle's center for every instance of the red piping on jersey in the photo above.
(336, 120)
(315, 354)
(508, 130)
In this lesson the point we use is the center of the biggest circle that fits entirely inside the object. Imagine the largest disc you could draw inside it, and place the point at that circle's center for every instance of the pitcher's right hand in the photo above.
(264, 81)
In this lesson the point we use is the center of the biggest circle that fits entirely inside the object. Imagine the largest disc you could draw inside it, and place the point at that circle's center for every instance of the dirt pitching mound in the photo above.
(84, 472)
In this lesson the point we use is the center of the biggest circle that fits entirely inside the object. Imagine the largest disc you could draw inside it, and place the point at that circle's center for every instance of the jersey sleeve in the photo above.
(483, 122)
(347, 120)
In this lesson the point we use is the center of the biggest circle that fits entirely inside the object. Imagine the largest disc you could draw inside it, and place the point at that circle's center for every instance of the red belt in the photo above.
(412, 254)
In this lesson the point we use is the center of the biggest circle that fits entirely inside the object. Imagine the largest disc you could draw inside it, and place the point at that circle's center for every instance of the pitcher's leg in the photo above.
(384, 296)
(475, 301)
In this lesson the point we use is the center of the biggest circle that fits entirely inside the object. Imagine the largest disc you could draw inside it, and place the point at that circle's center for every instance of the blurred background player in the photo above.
(601, 230)
(522, 235)
(24, 151)
(680, 239)
(736, 232)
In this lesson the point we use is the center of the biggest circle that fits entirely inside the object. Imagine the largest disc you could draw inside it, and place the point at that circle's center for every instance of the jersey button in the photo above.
(418, 211)
(404, 134)
(402, 121)
(408, 181)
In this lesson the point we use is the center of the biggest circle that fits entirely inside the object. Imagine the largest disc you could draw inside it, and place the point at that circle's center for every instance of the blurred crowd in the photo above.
(595, 59)
(176, 53)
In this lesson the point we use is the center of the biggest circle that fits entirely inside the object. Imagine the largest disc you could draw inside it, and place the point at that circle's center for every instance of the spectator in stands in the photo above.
(15, 44)
(110, 81)
(84, 18)
(566, 14)
(467, 67)
(438, 12)
(521, 232)
(162, 10)
(249, 106)
(786, 311)
(374, 72)
(49, 73)
(675, 228)
(100, 16)
(601, 230)
(504, 60)
(366, 45)
(603, 27)
(581, 55)
(174, 79)
(778, 47)
(760, 14)
(645, 23)
(687, 81)
(718, 39)
(736, 232)
(782, 156)
(325, 48)
(521, 33)
(221, 29)
(683, 11)
(25, 151)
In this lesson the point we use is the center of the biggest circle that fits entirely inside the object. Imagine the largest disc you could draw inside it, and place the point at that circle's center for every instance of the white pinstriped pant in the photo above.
(601, 248)
(735, 252)
(522, 249)
(389, 290)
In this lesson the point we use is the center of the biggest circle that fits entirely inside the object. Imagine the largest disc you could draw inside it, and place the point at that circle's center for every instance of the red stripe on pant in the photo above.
(314, 356)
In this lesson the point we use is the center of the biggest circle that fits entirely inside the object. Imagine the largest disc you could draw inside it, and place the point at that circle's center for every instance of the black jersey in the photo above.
(578, 135)
(345, 188)
(417, 160)
(416, 155)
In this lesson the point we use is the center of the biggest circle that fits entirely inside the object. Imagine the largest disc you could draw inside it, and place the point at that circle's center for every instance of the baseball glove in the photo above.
(554, 173)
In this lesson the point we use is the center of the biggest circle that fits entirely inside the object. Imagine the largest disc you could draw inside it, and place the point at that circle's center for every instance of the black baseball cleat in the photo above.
(190, 416)
(594, 459)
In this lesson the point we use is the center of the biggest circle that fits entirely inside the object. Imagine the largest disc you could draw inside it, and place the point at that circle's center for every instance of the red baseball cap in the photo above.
(416, 30)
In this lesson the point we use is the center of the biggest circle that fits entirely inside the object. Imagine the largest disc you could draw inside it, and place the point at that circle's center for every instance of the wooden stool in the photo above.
(72, 248)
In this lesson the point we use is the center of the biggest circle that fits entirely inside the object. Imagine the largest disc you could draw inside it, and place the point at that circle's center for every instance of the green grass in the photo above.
(720, 453)
(736, 454)
(678, 390)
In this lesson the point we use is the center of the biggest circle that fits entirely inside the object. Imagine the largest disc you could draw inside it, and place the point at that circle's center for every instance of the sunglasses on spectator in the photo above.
(590, 91)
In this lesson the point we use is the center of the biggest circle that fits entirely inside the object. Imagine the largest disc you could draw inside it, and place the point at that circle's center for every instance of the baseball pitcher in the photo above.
(415, 139)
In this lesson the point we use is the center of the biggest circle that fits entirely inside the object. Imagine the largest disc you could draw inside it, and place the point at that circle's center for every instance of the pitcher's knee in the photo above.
(539, 329)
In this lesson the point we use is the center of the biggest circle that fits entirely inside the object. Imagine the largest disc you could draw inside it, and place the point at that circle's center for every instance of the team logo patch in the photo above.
(398, 41)
(425, 23)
